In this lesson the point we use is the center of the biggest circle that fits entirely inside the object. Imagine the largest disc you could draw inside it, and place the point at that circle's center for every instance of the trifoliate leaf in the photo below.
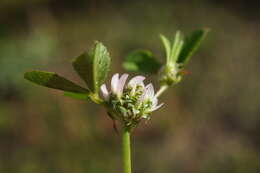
(141, 61)
(53, 80)
(191, 44)
(93, 66)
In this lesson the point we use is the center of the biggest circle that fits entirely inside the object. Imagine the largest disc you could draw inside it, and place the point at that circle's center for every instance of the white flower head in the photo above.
(132, 101)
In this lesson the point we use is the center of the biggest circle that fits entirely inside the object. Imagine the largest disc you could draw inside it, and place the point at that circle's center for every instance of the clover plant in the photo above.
(130, 102)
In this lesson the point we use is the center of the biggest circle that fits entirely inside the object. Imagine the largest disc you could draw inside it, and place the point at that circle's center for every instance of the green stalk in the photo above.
(162, 89)
(126, 151)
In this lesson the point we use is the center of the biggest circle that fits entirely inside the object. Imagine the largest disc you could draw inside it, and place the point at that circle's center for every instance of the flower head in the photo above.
(130, 102)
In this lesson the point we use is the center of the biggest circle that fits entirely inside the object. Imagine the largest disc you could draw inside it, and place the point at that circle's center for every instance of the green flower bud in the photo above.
(170, 74)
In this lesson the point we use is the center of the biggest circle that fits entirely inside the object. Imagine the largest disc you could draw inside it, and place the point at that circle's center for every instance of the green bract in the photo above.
(127, 109)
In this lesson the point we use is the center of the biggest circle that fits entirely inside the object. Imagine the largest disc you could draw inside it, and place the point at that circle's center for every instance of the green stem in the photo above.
(161, 90)
(126, 151)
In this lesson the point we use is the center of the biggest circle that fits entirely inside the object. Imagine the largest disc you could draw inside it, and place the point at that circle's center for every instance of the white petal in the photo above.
(149, 91)
(104, 91)
(141, 98)
(156, 107)
(154, 101)
(114, 83)
(121, 84)
(136, 80)
(144, 96)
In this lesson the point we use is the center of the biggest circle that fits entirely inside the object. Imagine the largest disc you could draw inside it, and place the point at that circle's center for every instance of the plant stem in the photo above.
(161, 90)
(126, 150)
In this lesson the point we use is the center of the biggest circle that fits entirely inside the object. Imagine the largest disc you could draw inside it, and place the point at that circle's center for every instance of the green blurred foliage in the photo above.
(209, 123)
(141, 61)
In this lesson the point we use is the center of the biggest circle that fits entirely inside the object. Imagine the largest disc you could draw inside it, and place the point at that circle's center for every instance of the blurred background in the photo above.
(210, 122)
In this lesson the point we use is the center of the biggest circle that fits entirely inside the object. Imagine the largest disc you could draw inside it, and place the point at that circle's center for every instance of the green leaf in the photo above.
(52, 80)
(167, 46)
(191, 44)
(141, 61)
(79, 96)
(93, 66)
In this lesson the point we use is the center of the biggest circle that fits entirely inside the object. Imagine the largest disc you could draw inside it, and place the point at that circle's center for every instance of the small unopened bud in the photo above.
(170, 74)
